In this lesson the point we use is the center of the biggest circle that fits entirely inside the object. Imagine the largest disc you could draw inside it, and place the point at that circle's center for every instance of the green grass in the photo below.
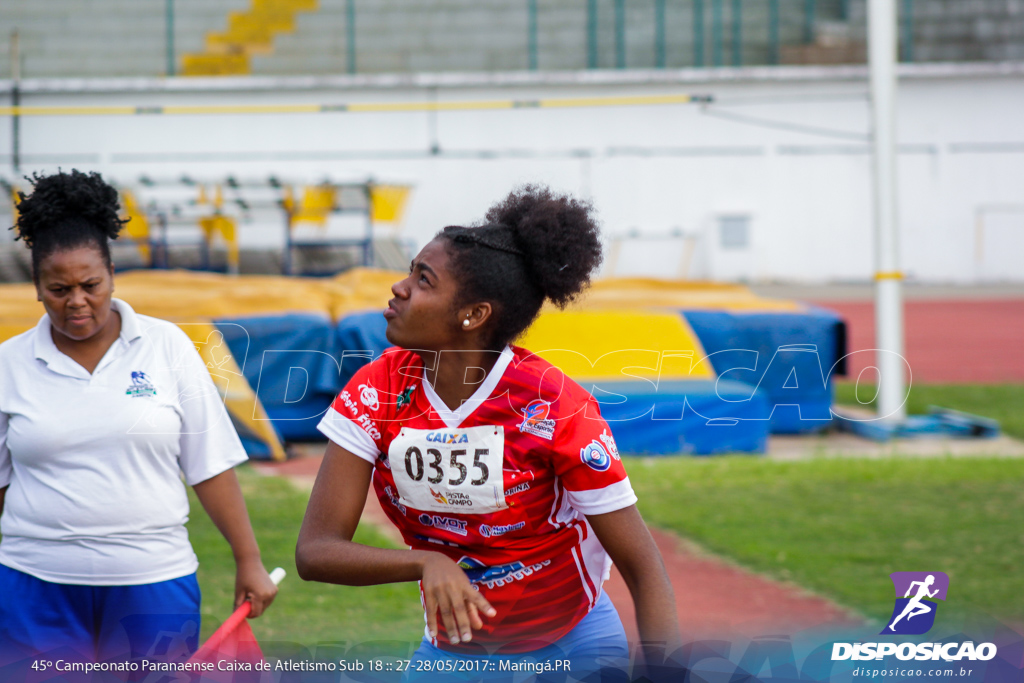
(1002, 402)
(841, 526)
(305, 613)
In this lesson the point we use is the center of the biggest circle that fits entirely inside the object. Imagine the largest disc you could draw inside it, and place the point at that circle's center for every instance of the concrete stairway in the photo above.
(81, 38)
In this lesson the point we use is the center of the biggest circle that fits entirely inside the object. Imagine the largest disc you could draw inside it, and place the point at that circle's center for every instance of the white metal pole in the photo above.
(882, 51)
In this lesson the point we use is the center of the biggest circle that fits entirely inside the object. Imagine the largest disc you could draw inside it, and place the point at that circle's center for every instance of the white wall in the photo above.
(785, 146)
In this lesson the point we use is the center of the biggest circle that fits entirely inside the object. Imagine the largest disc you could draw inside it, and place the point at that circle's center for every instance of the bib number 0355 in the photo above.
(414, 465)
(450, 471)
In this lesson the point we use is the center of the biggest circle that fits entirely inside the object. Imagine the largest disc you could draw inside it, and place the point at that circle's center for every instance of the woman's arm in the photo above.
(222, 499)
(325, 550)
(627, 540)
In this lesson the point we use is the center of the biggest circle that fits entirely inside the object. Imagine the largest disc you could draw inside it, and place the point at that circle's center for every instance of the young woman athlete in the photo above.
(498, 470)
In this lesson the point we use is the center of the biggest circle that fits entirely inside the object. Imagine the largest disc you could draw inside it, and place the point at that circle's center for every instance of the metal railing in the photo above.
(616, 34)
(700, 39)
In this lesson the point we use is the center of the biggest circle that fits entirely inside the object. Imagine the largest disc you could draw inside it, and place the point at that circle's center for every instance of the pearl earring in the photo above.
(465, 323)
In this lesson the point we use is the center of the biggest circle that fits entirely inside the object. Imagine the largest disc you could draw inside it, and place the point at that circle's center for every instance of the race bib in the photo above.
(450, 470)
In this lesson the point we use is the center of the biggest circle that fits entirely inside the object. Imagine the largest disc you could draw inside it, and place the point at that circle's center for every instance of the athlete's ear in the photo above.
(473, 317)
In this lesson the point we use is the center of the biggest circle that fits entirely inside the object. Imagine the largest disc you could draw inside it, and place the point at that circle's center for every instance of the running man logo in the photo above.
(914, 613)
(141, 385)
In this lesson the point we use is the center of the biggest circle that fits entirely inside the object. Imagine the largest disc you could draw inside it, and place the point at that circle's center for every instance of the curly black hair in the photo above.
(534, 245)
(66, 211)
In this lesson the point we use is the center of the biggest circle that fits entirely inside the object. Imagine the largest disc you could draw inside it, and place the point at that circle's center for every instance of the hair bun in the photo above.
(64, 198)
(558, 236)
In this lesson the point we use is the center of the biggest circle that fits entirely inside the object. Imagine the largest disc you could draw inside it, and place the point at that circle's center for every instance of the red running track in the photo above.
(955, 341)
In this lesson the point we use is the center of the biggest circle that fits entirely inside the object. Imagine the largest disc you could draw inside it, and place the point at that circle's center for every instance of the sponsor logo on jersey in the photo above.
(491, 531)
(535, 420)
(493, 577)
(456, 526)
(346, 398)
(140, 386)
(369, 426)
(518, 488)
(405, 398)
(595, 456)
(394, 499)
(609, 443)
(447, 438)
(368, 397)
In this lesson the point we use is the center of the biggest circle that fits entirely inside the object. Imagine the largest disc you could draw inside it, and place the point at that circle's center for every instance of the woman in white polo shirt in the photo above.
(101, 410)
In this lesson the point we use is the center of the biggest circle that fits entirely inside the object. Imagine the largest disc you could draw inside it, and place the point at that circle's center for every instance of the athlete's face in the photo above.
(422, 315)
(75, 287)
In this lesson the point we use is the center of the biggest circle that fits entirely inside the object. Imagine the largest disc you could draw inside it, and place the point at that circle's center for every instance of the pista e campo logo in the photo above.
(915, 609)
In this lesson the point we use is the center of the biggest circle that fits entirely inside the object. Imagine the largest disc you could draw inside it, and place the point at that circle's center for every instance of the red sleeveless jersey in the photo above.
(501, 486)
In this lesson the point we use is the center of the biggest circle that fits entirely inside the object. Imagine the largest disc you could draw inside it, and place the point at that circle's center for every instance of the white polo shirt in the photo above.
(94, 462)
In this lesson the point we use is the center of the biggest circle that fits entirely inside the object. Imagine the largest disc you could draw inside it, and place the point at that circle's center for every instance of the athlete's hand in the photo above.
(446, 589)
(252, 583)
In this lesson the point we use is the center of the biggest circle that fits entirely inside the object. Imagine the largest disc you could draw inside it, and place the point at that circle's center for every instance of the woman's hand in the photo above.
(326, 552)
(252, 583)
(222, 499)
(447, 589)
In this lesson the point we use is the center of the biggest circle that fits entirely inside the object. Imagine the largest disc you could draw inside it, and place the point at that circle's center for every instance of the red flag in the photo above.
(232, 653)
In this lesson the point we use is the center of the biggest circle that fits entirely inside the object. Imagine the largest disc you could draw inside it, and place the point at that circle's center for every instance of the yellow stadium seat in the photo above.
(215, 65)
(317, 203)
(227, 228)
(387, 202)
(137, 226)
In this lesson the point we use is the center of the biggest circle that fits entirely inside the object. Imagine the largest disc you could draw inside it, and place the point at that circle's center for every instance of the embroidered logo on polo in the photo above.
(141, 385)
(536, 421)
(595, 456)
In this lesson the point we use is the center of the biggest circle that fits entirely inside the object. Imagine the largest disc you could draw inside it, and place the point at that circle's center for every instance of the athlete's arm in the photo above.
(3, 494)
(325, 550)
(911, 588)
(222, 499)
(628, 542)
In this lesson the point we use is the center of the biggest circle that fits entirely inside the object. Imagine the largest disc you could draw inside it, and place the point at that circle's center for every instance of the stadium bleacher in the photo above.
(70, 38)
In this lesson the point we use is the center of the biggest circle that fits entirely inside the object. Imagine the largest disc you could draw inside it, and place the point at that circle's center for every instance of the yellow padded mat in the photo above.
(618, 345)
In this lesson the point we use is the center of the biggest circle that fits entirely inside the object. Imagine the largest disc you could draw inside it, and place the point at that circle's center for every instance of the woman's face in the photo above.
(75, 287)
(422, 315)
